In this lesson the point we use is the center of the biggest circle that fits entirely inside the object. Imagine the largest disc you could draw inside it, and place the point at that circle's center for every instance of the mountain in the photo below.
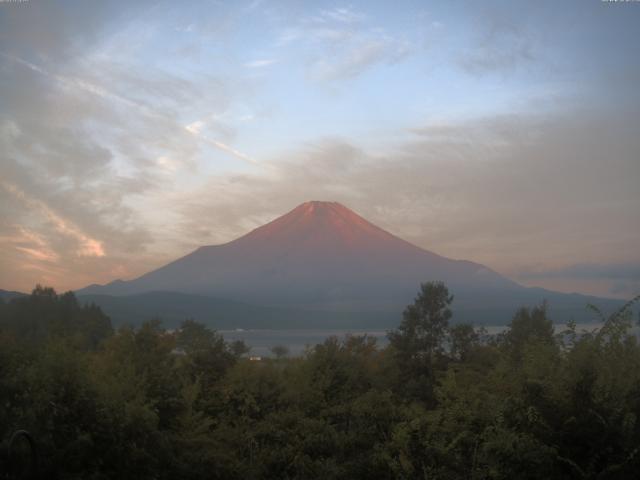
(323, 257)
(319, 254)
(7, 295)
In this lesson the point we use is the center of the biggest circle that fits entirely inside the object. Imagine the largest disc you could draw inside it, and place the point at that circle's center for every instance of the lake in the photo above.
(261, 341)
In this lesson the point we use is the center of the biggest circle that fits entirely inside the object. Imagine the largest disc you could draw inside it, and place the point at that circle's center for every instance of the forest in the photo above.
(442, 401)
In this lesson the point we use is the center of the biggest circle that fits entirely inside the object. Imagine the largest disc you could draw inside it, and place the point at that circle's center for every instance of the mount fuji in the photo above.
(320, 265)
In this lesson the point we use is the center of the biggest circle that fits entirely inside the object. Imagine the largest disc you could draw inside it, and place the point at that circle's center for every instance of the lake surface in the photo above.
(261, 341)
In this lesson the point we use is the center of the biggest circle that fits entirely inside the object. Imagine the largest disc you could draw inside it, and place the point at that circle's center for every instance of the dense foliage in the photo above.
(441, 401)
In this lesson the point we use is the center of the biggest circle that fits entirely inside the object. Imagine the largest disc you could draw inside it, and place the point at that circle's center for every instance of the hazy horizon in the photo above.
(505, 133)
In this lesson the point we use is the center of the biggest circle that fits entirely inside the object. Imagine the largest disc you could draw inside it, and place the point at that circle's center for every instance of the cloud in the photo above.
(81, 132)
(87, 246)
(342, 43)
(62, 29)
(342, 15)
(501, 44)
(621, 280)
(92, 141)
(359, 55)
(260, 63)
(28, 242)
(616, 271)
(196, 128)
(72, 84)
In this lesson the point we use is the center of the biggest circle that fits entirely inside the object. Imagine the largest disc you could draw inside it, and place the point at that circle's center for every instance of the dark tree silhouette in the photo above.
(425, 323)
(418, 341)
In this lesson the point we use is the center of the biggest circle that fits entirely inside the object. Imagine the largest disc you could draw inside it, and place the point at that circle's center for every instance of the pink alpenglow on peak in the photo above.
(322, 225)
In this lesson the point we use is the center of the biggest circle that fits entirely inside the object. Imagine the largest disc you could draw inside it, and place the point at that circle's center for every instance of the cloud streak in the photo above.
(260, 63)
(196, 128)
(87, 246)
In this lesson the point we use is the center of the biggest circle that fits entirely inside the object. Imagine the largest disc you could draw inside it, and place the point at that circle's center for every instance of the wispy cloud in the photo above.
(260, 63)
(342, 14)
(77, 83)
(360, 55)
(29, 243)
(231, 150)
(196, 129)
(87, 246)
(342, 43)
(501, 44)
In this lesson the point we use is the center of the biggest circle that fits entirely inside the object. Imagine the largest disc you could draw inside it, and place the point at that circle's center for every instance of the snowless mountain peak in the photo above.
(320, 253)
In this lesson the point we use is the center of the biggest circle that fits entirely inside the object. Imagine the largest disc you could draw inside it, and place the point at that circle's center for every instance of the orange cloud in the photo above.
(88, 246)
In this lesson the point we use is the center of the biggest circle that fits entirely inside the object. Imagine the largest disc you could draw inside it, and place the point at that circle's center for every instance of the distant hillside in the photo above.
(7, 295)
(174, 307)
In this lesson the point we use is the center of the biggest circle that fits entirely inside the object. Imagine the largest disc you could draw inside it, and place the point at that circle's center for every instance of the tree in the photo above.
(280, 351)
(463, 338)
(207, 355)
(238, 348)
(194, 337)
(44, 315)
(418, 341)
(425, 323)
(528, 326)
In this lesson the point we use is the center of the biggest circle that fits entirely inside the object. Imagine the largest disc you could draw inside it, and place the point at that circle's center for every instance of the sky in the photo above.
(506, 133)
